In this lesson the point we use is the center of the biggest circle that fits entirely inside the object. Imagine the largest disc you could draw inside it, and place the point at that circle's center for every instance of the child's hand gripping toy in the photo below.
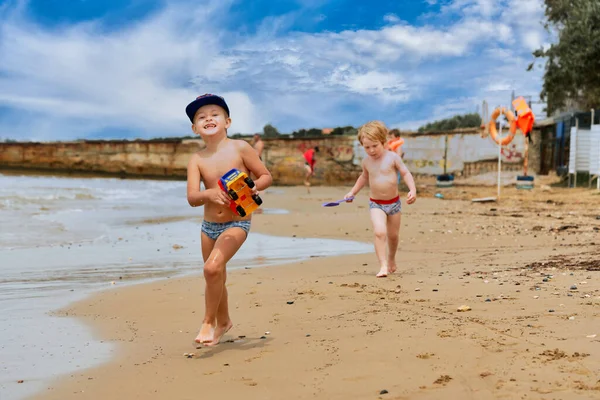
(238, 185)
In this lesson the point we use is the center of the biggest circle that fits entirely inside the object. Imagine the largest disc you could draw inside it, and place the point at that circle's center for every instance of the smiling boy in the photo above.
(223, 232)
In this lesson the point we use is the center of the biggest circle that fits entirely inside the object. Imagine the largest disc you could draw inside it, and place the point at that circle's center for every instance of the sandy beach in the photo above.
(527, 269)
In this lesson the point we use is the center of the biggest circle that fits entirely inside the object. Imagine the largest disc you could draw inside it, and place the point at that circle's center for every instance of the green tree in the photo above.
(299, 133)
(270, 131)
(312, 132)
(572, 70)
(472, 120)
(344, 130)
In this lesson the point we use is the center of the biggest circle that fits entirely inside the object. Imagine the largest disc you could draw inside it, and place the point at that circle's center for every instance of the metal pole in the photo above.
(526, 159)
(598, 177)
(591, 135)
(499, 155)
(575, 151)
(445, 154)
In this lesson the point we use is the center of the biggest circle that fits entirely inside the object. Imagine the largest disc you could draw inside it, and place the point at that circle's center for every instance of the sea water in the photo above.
(64, 238)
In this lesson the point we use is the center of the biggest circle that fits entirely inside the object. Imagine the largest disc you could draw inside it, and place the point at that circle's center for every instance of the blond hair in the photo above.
(373, 130)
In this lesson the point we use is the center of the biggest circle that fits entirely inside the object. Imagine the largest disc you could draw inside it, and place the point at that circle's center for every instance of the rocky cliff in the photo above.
(338, 163)
(168, 158)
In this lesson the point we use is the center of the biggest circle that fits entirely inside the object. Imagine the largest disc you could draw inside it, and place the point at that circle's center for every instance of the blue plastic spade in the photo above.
(338, 202)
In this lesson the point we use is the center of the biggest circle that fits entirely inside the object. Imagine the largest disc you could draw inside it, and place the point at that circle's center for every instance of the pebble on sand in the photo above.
(463, 308)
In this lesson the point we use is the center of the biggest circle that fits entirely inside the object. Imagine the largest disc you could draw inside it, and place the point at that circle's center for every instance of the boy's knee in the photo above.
(213, 270)
(392, 236)
(380, 235)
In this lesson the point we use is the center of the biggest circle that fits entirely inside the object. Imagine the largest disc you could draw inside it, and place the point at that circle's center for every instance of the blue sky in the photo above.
(76, 69)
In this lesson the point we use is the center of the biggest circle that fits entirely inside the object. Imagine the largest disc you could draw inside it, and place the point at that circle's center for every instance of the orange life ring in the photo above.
(511, 131)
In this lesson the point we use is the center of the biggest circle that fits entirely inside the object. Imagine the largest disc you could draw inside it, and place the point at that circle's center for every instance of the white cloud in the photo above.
(388, 86)
(393, 18)
(455, 41)
(527, 15)
(501, 86)
(80, 79)
(532, 40)
(127, 78)
(485, 8)
(245, 115)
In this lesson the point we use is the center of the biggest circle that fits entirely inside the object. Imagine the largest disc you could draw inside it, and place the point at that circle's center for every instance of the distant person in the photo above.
(258, 145)
(395, 142)
(309, 165)
(379, 170)
(223, 231)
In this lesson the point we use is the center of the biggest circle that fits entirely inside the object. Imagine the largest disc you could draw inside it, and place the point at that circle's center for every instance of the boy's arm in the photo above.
(360, 182)
(195, 197)
(255, 166)
(408, 179)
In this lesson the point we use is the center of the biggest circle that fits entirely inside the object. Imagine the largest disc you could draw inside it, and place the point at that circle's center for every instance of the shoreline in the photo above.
(69, 173)
(40, 279)
(349, 315)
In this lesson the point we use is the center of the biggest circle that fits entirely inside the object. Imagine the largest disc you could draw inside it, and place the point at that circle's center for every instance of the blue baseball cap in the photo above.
(203, 100)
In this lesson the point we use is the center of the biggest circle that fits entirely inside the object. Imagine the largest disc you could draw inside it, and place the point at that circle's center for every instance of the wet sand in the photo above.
(528, 268)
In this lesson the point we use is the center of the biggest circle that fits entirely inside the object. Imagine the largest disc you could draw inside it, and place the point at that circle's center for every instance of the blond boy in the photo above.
(223, 232)
(379, 170)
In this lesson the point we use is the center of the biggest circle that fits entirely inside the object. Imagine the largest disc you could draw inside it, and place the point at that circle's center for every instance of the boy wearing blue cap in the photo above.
(223, 232)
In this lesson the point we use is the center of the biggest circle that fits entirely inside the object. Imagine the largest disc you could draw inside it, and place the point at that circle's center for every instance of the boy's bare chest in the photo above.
(215, 166)
(381, 166)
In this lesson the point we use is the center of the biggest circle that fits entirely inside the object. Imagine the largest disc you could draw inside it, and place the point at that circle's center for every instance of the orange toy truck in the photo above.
(238, 185)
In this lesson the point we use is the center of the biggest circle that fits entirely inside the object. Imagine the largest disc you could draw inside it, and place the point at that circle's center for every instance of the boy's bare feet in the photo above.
(219, 332)
(392, 266)
(383, 272)
(206, 334)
